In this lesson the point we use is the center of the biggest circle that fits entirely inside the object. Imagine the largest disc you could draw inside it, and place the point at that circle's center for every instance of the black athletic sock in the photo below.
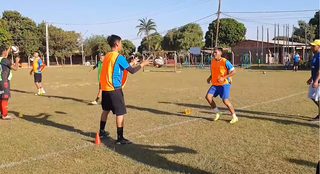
(120, 132)
(97, 99)
(102, 125)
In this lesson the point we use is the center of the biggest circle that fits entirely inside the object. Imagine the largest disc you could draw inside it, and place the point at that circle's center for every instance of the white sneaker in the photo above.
(43, 92)
(94, 103)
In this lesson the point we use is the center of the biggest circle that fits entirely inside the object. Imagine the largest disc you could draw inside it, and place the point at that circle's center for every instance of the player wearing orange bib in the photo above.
(113, 77)
(221, 72)
(37, 67)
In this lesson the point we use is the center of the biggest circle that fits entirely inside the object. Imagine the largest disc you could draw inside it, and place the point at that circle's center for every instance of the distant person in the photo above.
(113, 78)
(313, 82)
(6, 75)
(98, 65)
(220, 78)
(296, 59)
(37, 67)
(287, 65)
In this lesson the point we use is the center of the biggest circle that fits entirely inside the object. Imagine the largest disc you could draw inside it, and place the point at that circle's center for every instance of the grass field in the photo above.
(56, 132)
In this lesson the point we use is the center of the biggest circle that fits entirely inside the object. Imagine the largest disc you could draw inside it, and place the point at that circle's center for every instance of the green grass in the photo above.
(56, 132)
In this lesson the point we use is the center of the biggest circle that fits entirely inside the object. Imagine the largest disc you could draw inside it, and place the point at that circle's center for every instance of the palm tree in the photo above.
(145, 27)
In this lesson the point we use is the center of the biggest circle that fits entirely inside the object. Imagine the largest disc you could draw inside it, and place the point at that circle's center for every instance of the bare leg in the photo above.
(229, 105)
(209, 98)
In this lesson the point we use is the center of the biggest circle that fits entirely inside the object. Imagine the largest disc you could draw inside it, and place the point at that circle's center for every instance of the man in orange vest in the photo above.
(221, 72)
(113, 78)
(37, 67)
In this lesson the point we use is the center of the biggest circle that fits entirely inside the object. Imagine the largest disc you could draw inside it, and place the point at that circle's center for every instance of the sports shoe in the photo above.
(94, 103)
(234, 120)
(217, 116)
(103, 133)
(7, 117)
(123, 141)
(43, 92)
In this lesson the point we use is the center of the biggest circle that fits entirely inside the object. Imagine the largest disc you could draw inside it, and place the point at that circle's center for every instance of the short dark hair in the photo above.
(3, 48)
(113, 39)
(218, 48)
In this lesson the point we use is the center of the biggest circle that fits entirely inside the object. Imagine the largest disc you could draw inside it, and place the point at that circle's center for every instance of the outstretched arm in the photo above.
(16, 65)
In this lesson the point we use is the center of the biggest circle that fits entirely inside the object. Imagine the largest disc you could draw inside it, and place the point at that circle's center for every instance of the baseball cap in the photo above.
(316, 42)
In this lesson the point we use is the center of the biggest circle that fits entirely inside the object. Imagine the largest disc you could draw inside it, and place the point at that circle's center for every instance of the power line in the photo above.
(247, 20)
(165, 31)
(185, 6)
(292, 11)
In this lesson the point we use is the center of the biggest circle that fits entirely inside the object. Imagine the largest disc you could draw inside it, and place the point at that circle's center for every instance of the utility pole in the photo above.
(274, 41)
(262, 50)
(278, 50)
(257, 43)
(268, 45)
(83, 58)
(47, 44)
(218, 22)
(212, 44)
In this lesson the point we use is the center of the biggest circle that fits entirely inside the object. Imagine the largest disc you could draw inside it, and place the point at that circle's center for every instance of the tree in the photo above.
(5, 37)
(95, 45)
(62, 43)
(230, 32)
(170, 40)
(145, 27)
(304, 30)
(24, 32)
(154, 43)
(315, 21)
(191, 35)
(127, 48)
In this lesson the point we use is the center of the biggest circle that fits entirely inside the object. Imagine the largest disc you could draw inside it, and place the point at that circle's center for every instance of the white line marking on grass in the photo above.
(86, 145)
(45, 156)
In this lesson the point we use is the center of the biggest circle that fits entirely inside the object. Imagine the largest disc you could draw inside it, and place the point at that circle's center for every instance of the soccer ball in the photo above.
(15, 49)
(158, 62)
(264, 72)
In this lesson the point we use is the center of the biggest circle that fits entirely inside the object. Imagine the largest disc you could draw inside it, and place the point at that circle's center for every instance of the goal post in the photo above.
(170, 58)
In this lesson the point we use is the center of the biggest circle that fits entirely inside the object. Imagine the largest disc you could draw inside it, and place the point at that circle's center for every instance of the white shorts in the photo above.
(314, 93)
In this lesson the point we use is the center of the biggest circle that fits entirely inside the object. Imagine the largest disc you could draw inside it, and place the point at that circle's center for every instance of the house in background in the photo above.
(274, 51)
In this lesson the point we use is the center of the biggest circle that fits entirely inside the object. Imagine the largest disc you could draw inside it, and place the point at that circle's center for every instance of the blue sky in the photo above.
(72, 14)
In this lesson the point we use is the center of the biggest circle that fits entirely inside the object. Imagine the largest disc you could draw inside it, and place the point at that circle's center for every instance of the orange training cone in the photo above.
(98, 141)
(187, 111)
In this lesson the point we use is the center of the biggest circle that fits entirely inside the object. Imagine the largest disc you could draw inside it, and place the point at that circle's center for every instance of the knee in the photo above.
(208, 97)
(226, 102)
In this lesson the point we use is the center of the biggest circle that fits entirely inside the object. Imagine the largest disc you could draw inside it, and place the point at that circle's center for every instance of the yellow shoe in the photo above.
(217, 116)
(234, 120)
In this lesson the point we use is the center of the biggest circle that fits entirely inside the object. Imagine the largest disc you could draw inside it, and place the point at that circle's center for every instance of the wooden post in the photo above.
(175, 61)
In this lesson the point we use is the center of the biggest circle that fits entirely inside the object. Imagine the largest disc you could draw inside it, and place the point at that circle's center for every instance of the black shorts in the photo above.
(37, 77)
(113, 101)
(295, 63)
(5, 90)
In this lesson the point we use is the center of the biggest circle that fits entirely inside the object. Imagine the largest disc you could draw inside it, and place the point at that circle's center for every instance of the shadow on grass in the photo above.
(52, 96)
(262, 115)
(154, 155)
(197, 106)
(303, 162)
(276, 68)
(42, 118)
(61, 112)
(160, 112)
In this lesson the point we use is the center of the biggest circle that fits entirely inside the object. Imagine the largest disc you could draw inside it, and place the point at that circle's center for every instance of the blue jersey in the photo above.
(296, 58)
(315, 66)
